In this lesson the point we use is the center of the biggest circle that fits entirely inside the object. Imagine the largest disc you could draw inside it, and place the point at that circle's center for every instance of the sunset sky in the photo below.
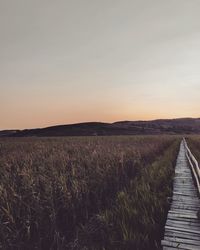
(68, 61)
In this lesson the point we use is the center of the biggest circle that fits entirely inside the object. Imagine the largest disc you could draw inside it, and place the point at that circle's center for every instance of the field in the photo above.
(97, 193)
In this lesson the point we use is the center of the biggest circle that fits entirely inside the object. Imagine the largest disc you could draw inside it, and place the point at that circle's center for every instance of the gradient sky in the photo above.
(68, 61)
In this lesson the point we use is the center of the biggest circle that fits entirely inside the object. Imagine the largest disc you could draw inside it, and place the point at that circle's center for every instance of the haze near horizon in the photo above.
(73, 61)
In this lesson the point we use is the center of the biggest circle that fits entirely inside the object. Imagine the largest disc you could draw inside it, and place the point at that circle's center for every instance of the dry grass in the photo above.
(194, 145)
(52, 188)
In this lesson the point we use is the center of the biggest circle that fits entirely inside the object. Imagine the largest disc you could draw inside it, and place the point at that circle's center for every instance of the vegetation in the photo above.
(194, 145)
(85, 192)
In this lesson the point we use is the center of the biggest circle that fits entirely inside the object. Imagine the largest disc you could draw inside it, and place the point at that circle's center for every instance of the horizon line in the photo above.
(82, 122)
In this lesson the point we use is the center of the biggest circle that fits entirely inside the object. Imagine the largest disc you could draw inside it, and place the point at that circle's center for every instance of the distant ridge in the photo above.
(159, 126)
(8, 132)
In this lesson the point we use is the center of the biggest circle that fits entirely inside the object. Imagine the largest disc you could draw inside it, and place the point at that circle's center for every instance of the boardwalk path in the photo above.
(182, 229)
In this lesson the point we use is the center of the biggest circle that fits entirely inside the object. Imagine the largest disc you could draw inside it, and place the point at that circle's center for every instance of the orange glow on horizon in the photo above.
(140, 63)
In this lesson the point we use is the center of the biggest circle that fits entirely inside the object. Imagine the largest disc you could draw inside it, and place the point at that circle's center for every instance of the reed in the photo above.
(52, 188)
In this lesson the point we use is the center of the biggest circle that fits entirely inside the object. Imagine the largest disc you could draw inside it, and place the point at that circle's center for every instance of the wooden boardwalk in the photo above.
(182, 229)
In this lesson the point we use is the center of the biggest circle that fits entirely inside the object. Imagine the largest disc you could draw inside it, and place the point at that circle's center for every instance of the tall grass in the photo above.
(52, 188)
(137, 219)
(194, 145)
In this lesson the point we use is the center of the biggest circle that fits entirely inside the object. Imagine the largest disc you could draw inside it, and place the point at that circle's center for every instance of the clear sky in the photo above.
(69, 61)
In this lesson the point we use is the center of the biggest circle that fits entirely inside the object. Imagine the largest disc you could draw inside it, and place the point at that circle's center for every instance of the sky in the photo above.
(69, 61)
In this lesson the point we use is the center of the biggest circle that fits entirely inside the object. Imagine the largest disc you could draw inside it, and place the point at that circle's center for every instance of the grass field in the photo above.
(85, 192)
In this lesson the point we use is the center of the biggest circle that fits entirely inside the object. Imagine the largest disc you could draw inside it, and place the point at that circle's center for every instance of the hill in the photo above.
(161, 126)
(8, 132)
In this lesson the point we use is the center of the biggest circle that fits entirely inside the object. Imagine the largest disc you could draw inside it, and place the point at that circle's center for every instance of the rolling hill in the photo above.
(161, 126)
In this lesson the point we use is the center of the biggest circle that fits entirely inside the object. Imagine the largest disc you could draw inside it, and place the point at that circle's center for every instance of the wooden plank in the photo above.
(178, 201)
(184, 221)
(184, 194)
(170, 248)
(181, 225)
(183, 230)
(179, 245)
(185, 235)
(179, 210)
(182, 240)
(185, 207)
(171, 215)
